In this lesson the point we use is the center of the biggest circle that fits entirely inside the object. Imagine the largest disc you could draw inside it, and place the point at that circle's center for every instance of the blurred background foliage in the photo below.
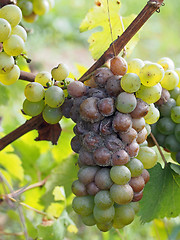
(55, 38)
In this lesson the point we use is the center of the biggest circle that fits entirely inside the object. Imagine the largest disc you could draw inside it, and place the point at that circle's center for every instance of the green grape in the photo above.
(103, 199)
(170, 80)
(166, 63)
(14, 45)
(153, 115)
(60, 72)
(135, 206)
(166, 126)
(20, 31)
(177, 132)
(44, 78)
(171, 143)
(6, 63)
(160, 138)
(148, 129)
(65, 82)
(5, 29)
(135, 166)
(130, 82)
(83, 205)
(89, 220)
(175, 114)
(177, 70)
(123, 215)
(54, 96)
(34, 92)
(121, 194)
(135, 65)
(52, 115)
(178, 101)
(174, 93)
(104, 215)
(151, 74)
(165, 109)
(120, 174)
(126, 102)
(33, 108)
(12, 14)
(40, 7)
(26, 7)
(147, 156)
(10, 77)
(104, 227)
(149, 94)
(31, 18)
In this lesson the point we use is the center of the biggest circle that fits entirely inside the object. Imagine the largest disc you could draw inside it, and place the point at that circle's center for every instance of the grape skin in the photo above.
(5, 29)
(20, 31)
(33, 108)
(6, 63)
(14, 45)
(130, 82)
(126, 102)
(12, 14)
(10, 77)
(52, 115)
(34, 92)
(54, 97)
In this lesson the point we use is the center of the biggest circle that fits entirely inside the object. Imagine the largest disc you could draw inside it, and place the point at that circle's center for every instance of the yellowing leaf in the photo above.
(59, 193)
(55, 209)
(33, 196)
(12, 163)
(72, 228)
(81, 69)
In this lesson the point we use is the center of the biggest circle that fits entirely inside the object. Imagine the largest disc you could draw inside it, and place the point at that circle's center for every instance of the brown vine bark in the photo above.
(5, 2)
(151, 7)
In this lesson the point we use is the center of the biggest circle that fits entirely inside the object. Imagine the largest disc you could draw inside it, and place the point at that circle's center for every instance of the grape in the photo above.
(120, 157)
(151, 74)
(130, 82)
(113, 143)
(6, 63)
(60, 72)
(175, 93)
(104, 227)
(142, 135)
(175, 114)
(113, 86)
(12, 14)
(106, 106)
(138, 123)
(123, 215)
(102, 156)
(171, 143)
(132, 149)
(166, 63)
(120, 175)
(128, 136)
(34, 92)
(5, 29)
(103, 199)
(92, 189)
(83, 205)
(20, 31)
(178, 157)
(89, 110)
(44, 78)
(121, 122)
(89, 220)
(153, 114)
(137, 196)
(160, 138)
(26, 7)
(178, 101)
(135, 65)
(10, 77)
(66, 107)
(76, 144)
(91, 141)
(104, 215)
(145, 175)
(170, 80)
(102, 179)
(137, 183)
(96, 92)
(135, 166)
(52, 115)
(31, 18)
(121, 194)
(148, 129)
(40, 7)
(87, 174)
(141, 109)
(165, 109)
(33, 108)
(126, 102)
(177, 132)
(101, 76)
(105, 127)
(54, 97)
(14, 45)
(149, 94)
(147, 156)
(118, 66)
(165, 95)
(78, 188)
(76, 89)
(85, 157)
(135, 206)
(165, 126)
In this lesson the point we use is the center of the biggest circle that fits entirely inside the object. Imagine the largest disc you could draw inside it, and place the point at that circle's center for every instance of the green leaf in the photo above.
(161, 195)
(4, 95)
(59, 194)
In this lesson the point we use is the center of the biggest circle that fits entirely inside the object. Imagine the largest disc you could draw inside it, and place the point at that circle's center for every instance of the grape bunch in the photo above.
(33, 8)
(110, 138)
(13, 38)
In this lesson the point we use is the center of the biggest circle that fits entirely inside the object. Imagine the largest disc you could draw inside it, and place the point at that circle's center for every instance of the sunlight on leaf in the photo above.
(55, 209)
(32, 198)
(81, 69)
(72, 228)
(59, 194)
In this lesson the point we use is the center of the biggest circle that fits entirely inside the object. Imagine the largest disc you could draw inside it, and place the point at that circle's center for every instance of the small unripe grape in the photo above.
(26, 7)
(170, 80)
(34, 92)
(33, 108)
(12, 14)
(5, 29)
(135, 206)
(124, 215)
(103, 179)
(40, 7)
(147, 156)
(10, 77)
(20, 31)
(103, 199)
(14, 45)
(120, 174)
(135, 166)
(118, 66)
(89, 220)
(104, 227)
(166, 63)
(31, 18)
(104, 215)
(78, 188)
(60, 72)
(6, 63)
(83, 205)
(44, 78)
(126, 102)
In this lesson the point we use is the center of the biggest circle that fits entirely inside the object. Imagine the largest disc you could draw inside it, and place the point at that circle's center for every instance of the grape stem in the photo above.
(5, 2)
(159, 149)
(27, 76)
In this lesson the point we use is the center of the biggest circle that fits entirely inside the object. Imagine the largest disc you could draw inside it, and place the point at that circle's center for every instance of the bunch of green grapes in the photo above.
(33, 8)
(45, 94)
(13, 38)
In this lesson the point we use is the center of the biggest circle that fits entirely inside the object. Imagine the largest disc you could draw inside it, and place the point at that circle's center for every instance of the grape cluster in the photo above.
(110, 138)
(33, 8)
(13, 37)
(45, 94)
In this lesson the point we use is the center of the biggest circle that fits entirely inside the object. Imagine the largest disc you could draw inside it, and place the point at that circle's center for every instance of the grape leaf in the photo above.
(161, 195)
(98, 17)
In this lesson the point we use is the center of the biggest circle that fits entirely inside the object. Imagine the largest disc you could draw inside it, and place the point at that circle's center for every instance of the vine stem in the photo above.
(159, 149)
(151, 7)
